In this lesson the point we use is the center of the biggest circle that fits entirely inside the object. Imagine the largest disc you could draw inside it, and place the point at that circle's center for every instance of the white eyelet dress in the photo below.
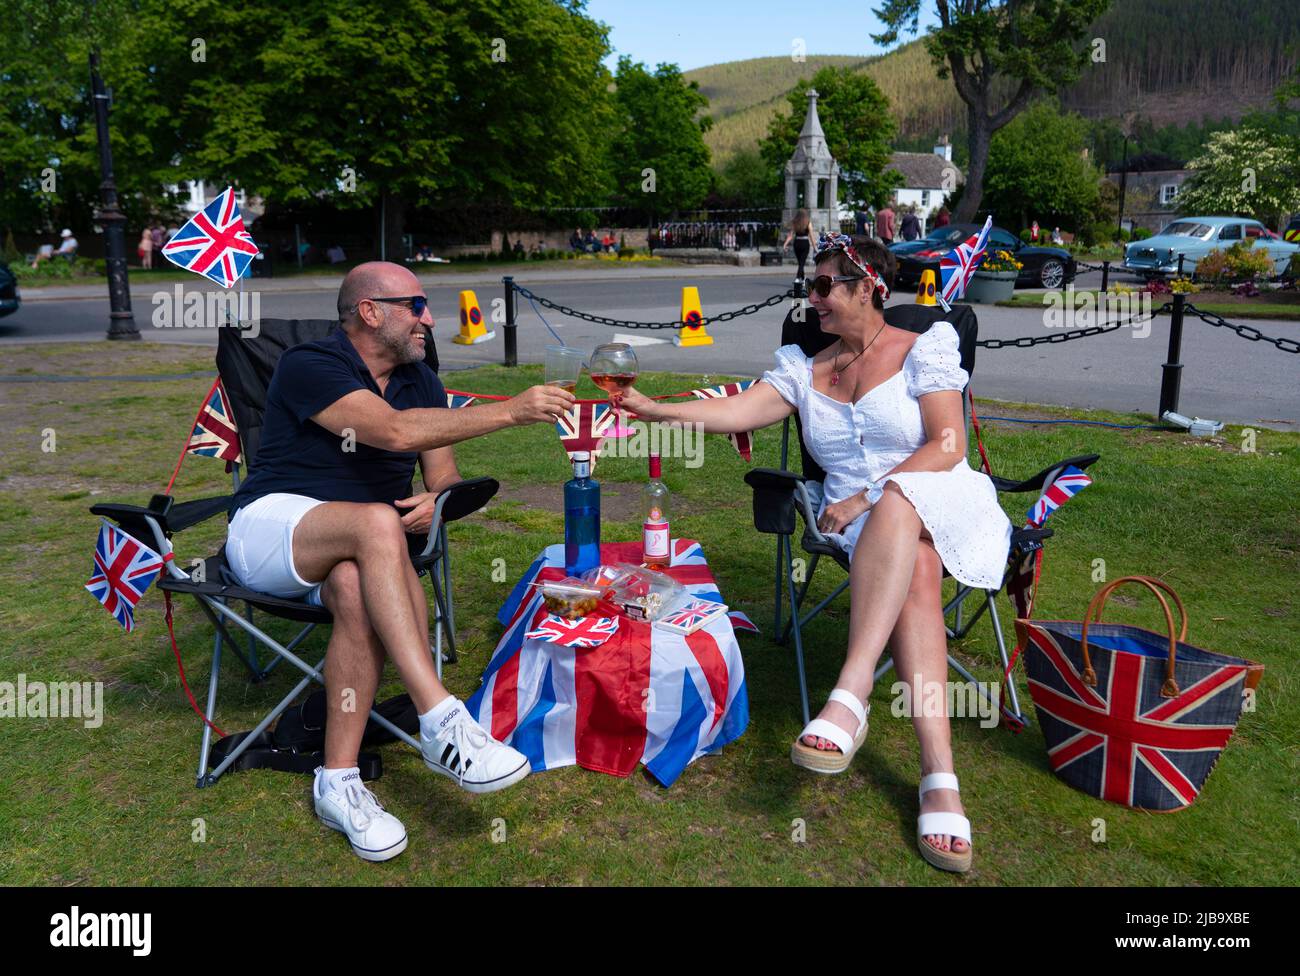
(858, 442)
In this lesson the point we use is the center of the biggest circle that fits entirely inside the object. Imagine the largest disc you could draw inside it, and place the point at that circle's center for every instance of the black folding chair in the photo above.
(246, 364)
(779, 493)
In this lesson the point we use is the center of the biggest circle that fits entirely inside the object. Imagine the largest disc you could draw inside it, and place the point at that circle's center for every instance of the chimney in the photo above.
(943, 147)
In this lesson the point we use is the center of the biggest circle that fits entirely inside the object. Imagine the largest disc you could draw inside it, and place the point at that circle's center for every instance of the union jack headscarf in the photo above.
(843, 242)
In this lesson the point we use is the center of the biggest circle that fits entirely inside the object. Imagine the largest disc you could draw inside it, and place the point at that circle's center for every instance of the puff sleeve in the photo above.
(790, 375)
(934, 362)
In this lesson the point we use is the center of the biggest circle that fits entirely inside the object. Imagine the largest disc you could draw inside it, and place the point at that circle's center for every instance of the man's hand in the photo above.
(420, 516)
(840, 514)
(540, 405)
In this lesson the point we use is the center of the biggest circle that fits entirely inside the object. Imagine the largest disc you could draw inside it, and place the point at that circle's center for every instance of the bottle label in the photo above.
(655, 542)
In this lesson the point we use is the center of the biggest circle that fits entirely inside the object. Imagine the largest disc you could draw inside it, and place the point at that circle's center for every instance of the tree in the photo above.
(657, 156)
(859, 129)
(1036, 169)
(746, 180)
(998, 55)
(1250, 172)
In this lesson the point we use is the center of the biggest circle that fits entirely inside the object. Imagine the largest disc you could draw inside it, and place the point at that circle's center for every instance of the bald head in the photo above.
(374, 279)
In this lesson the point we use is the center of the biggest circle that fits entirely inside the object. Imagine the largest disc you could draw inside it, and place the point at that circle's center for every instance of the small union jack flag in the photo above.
(122, 570)
(1068, 483)
(1125, 739)
(583, 632)
(694, 613)
(213, 242)
(957, 266)
(583, 428)
(744, 442)
(457, 400)
(215, 434)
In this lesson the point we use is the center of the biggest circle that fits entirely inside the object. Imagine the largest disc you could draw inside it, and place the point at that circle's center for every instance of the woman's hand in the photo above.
(838, 515)
(636, 403)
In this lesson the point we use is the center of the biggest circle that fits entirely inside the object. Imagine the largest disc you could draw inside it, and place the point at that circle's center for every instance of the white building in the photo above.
(927, 179)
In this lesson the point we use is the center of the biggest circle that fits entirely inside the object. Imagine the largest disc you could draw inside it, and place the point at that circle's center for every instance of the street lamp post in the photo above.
(121, 323)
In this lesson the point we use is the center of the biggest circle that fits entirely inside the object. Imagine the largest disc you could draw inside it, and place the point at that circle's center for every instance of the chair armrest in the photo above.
(1036, 482)
(457, 501)
(774, 499)
(162, 509)
(185, 514)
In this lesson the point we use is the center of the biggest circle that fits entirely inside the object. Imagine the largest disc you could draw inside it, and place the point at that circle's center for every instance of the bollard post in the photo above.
(1180, 264)
(1172, 370)
(512, 350)
(1105, 275)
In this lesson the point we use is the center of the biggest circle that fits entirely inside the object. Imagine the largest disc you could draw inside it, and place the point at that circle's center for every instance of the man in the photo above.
(325, 514)
(67, 249)
(885, 224)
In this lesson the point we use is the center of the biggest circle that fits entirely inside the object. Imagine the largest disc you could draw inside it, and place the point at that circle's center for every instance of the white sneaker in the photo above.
(463, 750)
(375, 834)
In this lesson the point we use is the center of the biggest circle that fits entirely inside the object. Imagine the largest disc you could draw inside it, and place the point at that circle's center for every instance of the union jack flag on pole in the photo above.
(583, 428)
(583, 632)
(213, 242)
(1068, 483)
(744, 442)
(957, 266)
(122, 570)
(215, 433)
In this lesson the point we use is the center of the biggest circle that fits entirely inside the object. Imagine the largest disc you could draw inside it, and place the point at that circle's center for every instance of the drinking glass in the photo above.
(563, 366)
(613, 368)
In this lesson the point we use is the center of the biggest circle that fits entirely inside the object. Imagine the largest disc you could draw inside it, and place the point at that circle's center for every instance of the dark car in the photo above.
(1044, 267)
(9, 300)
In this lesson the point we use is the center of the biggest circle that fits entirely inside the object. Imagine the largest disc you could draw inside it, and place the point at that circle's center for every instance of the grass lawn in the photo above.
(117, 805)
(1241, 309)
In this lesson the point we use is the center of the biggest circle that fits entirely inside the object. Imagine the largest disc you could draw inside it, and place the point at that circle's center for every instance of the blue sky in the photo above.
(695, 33)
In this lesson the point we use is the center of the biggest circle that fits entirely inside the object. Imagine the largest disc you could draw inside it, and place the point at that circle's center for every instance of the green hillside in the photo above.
(1171, 61)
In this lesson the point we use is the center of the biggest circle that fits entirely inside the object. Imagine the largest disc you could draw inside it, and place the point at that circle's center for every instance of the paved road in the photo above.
(1224, 377)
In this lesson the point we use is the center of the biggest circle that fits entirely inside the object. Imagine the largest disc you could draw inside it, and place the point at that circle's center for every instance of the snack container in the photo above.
(643, 594)
(687, 614)
(570, 598)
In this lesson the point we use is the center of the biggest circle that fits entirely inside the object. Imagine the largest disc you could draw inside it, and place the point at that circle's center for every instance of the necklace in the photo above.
(836, 370)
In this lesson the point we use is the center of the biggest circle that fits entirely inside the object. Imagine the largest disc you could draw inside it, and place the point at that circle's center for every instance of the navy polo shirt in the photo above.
(301, 457)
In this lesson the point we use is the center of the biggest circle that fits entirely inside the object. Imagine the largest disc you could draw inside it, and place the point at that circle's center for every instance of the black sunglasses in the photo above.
(823, 284)
(418, 303)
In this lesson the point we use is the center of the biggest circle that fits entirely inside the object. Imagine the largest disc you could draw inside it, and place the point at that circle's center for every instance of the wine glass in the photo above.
(613, 368)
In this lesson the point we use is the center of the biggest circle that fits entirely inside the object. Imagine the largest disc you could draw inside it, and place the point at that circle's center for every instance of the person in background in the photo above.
(943, 219)
(171, 231)
(860, 220)
(885, 224)
(589, 243)
(156, 232)
(1057, 239)
(608, 243)
(729, 238)
(145, 249)
(575, 239)
(801, 235)
(910, 228)
(67, 249)
(335, 255)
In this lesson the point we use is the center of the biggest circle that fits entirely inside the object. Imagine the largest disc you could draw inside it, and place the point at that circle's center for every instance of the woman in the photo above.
(882, 413)
(145, 248)
(802, 237)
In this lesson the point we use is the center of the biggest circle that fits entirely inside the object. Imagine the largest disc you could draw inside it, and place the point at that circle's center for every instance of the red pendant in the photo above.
(835, 379)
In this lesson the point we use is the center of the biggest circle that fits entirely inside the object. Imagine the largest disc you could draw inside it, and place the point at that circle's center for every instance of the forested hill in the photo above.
(1169, 61)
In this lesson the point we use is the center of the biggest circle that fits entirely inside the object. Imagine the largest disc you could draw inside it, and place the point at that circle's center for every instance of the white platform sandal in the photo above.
(824, 760)
(951, 824)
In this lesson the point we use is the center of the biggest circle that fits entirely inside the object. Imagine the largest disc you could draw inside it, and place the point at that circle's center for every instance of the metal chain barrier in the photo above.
(1245, 331)
(626, 324)
(1024, 342)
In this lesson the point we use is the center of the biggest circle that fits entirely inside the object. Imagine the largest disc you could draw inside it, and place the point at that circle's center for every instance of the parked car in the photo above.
(1195, 237)
(1292, 230)
(1045, 267)
(9, 299)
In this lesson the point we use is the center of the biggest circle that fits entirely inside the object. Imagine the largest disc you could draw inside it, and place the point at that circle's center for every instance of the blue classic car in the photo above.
(1195, 237)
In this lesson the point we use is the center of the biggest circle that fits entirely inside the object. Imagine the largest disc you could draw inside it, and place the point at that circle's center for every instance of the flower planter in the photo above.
(987, 287)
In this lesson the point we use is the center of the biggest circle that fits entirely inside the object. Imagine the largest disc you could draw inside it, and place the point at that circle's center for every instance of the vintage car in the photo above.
(1195, 237)
(1042, 267)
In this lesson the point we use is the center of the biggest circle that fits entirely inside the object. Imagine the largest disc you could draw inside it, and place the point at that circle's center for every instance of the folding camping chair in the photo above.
(780, 493)
(246, 364)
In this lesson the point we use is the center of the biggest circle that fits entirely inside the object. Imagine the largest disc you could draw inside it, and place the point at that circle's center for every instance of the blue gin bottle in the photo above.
(581, 518)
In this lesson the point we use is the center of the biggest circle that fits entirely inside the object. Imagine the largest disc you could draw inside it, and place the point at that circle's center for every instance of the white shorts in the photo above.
(259, 546)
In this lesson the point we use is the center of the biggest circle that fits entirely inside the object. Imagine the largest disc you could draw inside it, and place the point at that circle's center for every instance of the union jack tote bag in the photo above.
(1129, 715)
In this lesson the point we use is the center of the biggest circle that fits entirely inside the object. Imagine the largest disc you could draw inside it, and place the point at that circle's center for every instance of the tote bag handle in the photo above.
(1170, 687)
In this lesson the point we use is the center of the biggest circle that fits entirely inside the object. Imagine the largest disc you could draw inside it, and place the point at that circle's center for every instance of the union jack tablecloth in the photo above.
(646, 695)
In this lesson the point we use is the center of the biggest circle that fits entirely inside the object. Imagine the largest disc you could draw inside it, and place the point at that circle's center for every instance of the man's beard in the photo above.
(401, 343)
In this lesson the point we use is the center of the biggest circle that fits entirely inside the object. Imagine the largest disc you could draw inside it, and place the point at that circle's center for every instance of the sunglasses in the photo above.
(823, 284)
(417, 303)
